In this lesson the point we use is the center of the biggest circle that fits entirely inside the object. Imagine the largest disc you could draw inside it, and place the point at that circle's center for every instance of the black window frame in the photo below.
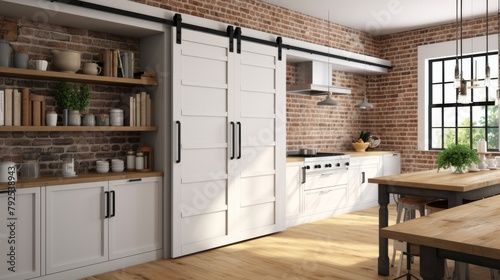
(456, 105)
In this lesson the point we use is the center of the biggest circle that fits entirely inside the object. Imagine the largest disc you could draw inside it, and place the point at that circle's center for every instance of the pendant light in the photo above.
(463, 97)
(487, 70)
(364, 104)
(328, 100)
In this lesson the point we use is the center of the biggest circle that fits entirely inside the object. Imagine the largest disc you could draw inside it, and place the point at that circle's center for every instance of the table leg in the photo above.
(431, 266)
(461, 271)
(383, 221)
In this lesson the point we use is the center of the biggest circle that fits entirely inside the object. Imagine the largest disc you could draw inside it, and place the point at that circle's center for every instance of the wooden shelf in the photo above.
(75, 78)
(76, 128)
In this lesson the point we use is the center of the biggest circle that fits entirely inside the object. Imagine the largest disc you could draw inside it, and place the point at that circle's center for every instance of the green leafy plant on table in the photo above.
(458, 156)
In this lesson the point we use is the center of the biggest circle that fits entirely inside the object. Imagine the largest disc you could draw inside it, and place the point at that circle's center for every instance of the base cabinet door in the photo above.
(20, 237)
(135, 225)
(294, 180)
(76, 228)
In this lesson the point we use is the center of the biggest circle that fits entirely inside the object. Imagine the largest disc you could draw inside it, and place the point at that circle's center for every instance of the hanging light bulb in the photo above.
(463, 96)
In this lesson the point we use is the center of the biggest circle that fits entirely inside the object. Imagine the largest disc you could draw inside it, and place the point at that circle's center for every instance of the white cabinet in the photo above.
(76, 227)
(391, 164)
(90, 223)
(361, 193)
(136, 223)
(325, 191)
(25, 232)
(228, 142)
(294, 180)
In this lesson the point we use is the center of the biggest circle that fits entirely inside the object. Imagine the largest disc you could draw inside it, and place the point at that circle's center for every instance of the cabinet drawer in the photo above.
(328, 179)
(325, 199)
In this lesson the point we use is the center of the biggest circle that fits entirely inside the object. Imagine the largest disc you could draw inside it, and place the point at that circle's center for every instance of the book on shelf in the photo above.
(137, 109)
(16, 108)
(141, 110)
(8, 106)
(2, 107)
(26, 107)
(132, 111)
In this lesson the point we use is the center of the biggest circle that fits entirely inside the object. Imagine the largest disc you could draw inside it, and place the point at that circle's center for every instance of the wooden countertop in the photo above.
(442, 180)
(471, 228)
(82, 178)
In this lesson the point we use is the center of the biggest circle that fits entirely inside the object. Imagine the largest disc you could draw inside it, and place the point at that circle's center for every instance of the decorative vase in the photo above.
(88, 120)
(459, 169)
(74, 118)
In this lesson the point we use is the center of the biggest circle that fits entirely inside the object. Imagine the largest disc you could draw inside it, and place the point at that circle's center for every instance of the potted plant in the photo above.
(361, 144)
(73, 98)
(458, 157)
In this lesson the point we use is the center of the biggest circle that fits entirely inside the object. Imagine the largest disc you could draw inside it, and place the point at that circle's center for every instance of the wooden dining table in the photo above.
(431, 184)
(467, 233)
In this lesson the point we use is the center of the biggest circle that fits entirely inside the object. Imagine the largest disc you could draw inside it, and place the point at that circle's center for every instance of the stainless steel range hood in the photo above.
(315, 78)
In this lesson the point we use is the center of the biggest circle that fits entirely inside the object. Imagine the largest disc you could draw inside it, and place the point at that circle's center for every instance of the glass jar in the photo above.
(131, 160)
(139, 161)
(116, 117)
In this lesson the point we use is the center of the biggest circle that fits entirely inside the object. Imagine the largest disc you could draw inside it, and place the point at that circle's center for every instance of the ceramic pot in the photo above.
(5, 53)
(66, 61)
(74, 118)
(8, 171)
(88, 120)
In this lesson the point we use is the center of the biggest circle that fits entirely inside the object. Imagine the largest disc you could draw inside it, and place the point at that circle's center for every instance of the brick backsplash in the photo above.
(394, 94)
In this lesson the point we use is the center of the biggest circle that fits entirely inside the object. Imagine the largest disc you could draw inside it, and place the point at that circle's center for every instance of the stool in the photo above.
(407, 207)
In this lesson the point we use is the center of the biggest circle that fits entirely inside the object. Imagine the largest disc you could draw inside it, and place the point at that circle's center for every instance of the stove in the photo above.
(324, 161)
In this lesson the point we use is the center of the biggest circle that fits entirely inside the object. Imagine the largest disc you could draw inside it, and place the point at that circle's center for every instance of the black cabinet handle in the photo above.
(363, 177)
(135, 180)
(239, 139)
(233, 143)
(106, 198)
(303, 175)
(114, 198)
(4, 191)
(178, 141)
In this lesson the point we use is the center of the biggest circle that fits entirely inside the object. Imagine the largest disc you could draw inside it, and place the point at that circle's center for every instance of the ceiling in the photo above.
(382, 17)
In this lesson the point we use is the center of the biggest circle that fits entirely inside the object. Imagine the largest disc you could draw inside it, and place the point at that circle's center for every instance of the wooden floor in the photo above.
(343, 247)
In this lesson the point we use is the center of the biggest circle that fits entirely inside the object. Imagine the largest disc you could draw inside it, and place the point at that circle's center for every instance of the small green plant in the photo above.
(72, 96)
(457, 155)
(365, 136)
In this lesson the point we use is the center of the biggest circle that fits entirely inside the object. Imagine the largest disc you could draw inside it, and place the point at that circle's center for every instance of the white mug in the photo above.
(91, 68)
(39, 64)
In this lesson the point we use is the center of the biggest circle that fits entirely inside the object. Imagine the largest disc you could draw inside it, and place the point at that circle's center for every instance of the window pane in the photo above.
(437, 121)
(466, 68)
(492, 115)
(449, 137)
(479, 67)
(493, 62)
(437, 94)
(437, 72)
(464, 136)
(492, 90)
(449, 117)
(478, 114)
(449, 70)
(464, 116)
(478, 94)
(450, 94)
(492, 138)
(478, 134)
(436, 139)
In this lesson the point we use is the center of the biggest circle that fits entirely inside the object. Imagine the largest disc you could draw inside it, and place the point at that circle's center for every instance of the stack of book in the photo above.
(20, 108)
(141, 110)
(118, 63)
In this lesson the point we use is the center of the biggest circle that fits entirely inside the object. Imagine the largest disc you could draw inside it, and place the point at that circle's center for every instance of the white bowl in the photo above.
(117, 161)
(102, 163)
(117, 169)
(102, 169)
(66, 61)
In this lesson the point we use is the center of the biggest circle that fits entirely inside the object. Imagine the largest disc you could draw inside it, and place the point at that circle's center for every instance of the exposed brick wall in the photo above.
(38, 39)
